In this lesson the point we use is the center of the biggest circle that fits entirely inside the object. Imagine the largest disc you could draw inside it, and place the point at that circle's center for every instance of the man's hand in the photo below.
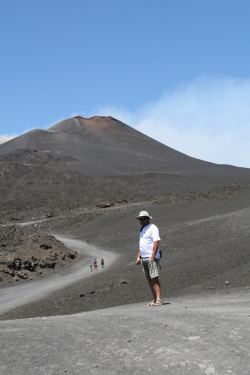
(138, 261)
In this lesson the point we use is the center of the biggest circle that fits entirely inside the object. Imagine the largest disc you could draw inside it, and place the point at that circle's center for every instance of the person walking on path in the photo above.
(102, 262)
(149, 254)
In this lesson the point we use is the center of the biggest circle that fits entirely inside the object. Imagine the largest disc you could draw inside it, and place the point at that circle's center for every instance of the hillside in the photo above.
(104, 146)
(89, 178)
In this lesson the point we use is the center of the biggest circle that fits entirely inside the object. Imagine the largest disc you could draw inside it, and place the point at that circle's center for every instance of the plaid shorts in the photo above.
(150, 267)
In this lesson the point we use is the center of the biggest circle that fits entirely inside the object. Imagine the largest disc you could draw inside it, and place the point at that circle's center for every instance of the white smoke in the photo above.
(208, 118)
(4, 139)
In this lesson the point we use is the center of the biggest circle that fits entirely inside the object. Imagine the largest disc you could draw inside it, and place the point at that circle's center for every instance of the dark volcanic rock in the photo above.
(26, 251)
(38, 185)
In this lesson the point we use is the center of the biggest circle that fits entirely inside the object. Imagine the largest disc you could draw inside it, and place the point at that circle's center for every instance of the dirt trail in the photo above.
(17, 295)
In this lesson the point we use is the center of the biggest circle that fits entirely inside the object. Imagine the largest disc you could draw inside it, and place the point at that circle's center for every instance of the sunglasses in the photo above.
(143, 218)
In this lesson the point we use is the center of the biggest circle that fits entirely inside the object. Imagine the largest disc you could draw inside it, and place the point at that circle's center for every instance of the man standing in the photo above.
(149, 255)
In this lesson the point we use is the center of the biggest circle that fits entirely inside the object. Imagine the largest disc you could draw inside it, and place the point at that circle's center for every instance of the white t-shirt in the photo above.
(148, 236)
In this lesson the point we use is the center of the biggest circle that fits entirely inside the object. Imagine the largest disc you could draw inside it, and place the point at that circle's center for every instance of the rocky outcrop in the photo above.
(27, 253)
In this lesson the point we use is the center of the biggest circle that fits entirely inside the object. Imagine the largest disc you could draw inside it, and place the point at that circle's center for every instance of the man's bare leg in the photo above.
(155, 287)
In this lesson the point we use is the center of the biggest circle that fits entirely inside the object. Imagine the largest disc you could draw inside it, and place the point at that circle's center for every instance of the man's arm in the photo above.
(138, 259)
(155, 248)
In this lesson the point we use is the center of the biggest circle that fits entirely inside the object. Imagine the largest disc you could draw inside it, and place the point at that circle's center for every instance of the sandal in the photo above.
(157, 303)
(151, 304)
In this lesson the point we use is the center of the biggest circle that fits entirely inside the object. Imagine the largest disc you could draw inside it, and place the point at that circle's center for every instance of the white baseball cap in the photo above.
(142, 214)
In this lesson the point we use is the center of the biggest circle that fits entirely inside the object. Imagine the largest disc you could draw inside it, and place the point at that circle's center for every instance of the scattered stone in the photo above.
(123, 282)
(23, 275)
(45, 246)
(104, 205)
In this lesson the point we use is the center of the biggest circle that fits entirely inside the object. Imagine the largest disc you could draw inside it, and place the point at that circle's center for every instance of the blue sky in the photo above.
(176, 70)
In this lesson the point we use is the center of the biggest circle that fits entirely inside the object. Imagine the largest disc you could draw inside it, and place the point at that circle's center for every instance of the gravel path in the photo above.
(17, 295)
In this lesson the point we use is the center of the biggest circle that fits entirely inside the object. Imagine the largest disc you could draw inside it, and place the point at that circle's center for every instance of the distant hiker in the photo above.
(91, 267)
(95, 262)
(102, 262)
(96, 266)
(149, 255)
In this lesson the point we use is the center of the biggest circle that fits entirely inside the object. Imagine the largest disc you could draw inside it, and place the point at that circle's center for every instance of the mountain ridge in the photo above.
(105, 146)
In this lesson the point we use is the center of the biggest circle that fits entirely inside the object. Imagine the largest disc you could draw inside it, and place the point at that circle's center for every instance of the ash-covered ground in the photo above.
(73, 181)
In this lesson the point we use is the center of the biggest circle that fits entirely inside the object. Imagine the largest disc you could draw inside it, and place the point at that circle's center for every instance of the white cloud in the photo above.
(7, 137)
(47, 126)
(208, 118)
(4, 139)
